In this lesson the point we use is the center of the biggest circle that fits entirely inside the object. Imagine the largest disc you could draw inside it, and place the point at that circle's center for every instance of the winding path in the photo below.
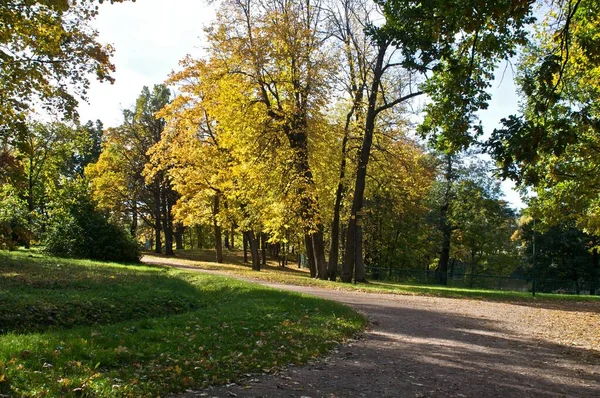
(420, 346)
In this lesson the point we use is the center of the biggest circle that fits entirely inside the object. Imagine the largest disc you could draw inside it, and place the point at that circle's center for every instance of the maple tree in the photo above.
(48, 50)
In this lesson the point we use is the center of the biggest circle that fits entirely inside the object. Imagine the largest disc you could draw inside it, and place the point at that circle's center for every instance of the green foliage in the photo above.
(564, 253)
(151, 331)
(48, 50)
(78, 229)
(461, 43)
(552, 144)
(13, 218)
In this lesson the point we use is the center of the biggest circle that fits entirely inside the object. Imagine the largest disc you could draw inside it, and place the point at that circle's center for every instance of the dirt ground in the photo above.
(437, 347)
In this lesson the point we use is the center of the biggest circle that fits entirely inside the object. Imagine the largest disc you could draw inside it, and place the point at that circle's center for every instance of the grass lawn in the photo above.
(75, 327)
(292, 275)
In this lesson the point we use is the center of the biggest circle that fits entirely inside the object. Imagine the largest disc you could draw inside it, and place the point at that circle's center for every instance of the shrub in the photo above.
(78, 229)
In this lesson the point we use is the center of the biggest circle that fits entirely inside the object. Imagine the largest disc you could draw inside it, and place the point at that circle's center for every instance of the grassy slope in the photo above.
(72, 327)
(291, 275)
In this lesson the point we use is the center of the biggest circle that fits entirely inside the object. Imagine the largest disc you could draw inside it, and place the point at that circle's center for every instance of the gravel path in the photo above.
(437, 347)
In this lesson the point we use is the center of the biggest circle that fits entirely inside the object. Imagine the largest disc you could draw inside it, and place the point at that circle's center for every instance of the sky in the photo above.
(150, 37)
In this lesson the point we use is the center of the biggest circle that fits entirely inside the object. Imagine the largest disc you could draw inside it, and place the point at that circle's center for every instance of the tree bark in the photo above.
(217, 229)
(310, 255)
(263, 247)
(441, 273)
(361, 173)
(157, 217)
(245, 239)
(595, 269)
(167, 221)
(252, 239)
(179, 231)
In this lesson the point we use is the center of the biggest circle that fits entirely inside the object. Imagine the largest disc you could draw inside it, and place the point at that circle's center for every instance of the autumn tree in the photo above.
(48, 50)
(118, 177)
(277, 49)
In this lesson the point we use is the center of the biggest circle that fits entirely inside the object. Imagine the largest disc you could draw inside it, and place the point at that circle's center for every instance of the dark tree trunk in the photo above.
(352, 242)
(357, 92)
(217, 229)
(441, 273)
(157, 217)
(245, 239)
(310, 255)
(298, 140)
(226, 244)
(595, 270)
(232, 237)
(167, 222)
(252, 239)
(263, 247)
(179, 231)
(134, 219)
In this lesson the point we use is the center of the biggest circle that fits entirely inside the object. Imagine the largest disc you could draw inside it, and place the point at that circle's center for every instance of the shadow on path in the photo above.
(432, 347)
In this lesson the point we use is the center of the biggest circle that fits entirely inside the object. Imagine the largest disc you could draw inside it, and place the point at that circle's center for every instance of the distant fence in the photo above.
(478, 281)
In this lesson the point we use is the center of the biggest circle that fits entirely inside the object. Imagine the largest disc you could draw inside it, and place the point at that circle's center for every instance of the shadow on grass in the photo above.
(38, 292)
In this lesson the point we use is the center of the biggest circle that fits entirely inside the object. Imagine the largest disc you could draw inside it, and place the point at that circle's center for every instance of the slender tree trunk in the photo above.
(441, 273)
(226, 244)
(157, 217)
(253, 241)
(357, 92)
(310, 255)
(594, 272)
(179, 231)
(167, 222)
(245, 239)
(263, 247)
(217, 229)
(232, 237)
(134, 219)
(352, 243)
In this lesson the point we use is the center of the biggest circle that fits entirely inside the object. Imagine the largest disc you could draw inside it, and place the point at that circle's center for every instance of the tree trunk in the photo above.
(167, 222)
(251, 238)
(441, 273)
(226, 244)
(217, 229)
(157, 213)
(297, 137)
(263, 247)
(245, 239)
(134, 219)
(352, 243)
(232, 237)
(179, 231)
(310, 255)
(594, 272)
(359, 266)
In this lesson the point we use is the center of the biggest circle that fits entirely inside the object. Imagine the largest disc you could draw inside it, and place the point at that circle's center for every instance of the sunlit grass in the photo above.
(147, 331)
(292, 275)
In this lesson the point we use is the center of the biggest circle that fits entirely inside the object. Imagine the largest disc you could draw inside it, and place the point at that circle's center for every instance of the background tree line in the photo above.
(295, 133)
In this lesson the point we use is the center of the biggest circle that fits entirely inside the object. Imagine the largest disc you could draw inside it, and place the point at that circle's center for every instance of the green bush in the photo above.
(78, 229)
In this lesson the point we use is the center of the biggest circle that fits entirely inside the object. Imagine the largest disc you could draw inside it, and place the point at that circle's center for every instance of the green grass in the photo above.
(80, 328)
(291, 275)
